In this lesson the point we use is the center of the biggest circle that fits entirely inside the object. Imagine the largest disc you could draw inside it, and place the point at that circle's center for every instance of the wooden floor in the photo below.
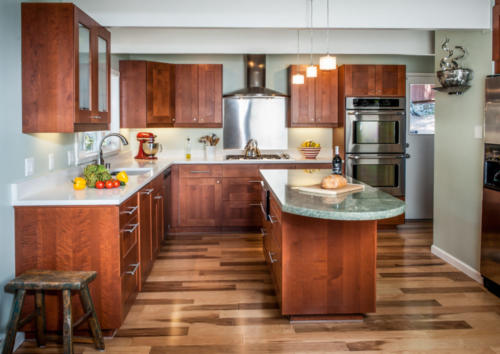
(213, 294)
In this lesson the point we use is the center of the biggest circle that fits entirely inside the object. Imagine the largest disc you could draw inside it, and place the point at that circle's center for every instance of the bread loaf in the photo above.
(333, 182)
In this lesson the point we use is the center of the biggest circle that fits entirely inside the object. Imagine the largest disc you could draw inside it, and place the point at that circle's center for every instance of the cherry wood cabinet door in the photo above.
(200, 201)
(326, 98)
(390, 80)
(496, 36)
(186, 94)
(160, 94)
(209, 94)
(158, 219)
(145, 231)
(302, 98)
(133, 93)
(101, 75)
(360, 80)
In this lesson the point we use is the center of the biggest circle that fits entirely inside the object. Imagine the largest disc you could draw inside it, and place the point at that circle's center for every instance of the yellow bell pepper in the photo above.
(79, 183)
(122, 177)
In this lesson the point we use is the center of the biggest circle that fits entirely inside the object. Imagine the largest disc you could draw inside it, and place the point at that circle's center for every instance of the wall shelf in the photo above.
(453, 90)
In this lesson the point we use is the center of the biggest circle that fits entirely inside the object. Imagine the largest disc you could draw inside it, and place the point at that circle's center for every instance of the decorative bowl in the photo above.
(456, 77)
(310, 153)
(151, 149)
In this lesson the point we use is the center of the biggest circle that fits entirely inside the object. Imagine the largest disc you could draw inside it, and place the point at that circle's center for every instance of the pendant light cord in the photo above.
(298, 46)
(311, 32)
(327, 27)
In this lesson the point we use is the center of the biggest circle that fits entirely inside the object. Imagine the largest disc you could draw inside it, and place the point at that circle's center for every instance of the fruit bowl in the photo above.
(310, 153)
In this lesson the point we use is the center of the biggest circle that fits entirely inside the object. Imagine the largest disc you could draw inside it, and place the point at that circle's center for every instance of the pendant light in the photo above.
(327, 62)
(298, 79)
(311, 70)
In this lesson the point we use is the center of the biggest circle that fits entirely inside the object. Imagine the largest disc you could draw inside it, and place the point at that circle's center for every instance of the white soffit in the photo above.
(269, 41)
(408, 14)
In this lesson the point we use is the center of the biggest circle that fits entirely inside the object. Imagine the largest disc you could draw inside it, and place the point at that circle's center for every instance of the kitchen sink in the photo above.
(132, 171)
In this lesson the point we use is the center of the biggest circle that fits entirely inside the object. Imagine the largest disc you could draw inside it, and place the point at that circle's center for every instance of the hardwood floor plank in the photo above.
(445, 290)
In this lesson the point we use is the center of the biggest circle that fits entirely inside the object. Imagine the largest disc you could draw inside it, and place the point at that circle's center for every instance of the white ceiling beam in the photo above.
(269, 41)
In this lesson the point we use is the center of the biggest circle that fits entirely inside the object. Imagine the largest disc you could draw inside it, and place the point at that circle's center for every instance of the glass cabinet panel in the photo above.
(84, 66)
(102, 46)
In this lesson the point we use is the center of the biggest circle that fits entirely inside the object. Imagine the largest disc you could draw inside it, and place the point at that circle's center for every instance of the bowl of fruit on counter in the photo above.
(310, 149)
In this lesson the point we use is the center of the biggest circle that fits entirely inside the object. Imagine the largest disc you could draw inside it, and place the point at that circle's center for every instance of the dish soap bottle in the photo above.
(187, 149)
(337, 163)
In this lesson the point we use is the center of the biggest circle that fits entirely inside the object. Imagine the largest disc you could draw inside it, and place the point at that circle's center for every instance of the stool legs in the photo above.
(15, 314)
(40, 318)
(88, 305)
(67, 322)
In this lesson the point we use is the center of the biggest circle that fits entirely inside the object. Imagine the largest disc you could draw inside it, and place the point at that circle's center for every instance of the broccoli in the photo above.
(94, 173)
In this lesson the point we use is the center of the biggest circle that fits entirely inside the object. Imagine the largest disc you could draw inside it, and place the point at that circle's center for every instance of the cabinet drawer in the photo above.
(241, 213)
(130, 274)
(275, 210)
(129, 234)
(246, 188)
(200, 171)
(240, 171)
(128, 210)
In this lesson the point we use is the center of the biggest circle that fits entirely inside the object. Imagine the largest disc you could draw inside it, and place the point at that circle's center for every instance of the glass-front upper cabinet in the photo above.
(103, 75)
(84, 70)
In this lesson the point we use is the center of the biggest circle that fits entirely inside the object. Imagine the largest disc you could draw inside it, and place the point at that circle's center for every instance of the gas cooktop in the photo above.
(282, 156)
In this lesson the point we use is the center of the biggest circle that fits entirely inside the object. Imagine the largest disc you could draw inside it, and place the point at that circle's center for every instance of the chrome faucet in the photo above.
(252, 149)
(100, 159)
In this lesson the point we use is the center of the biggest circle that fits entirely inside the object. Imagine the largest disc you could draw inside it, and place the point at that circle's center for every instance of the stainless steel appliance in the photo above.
(490, 228)
(375, 142)
(375, 125)
(255, 112)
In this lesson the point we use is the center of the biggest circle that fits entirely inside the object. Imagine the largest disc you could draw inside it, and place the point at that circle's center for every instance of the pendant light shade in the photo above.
(311, 70)
(298, 79)
(327, 62)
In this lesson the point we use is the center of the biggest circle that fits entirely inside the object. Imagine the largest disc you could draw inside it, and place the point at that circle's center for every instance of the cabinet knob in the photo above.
(173, 119)
(218, 181)
(194, 119)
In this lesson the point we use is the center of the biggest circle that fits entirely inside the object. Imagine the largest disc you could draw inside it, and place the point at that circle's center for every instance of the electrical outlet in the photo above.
(70, 158)
(478, 131)
(51, 161)
(29, 166)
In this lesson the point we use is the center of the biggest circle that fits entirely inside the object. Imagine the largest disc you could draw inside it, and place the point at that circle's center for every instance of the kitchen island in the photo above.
(322, 250)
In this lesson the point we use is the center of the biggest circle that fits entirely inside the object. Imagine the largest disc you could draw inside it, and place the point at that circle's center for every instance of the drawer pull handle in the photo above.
(132, 229)
(271, 257)
(263, 231)
(148, 191)
(96, 117)
(200, 171)
(255, 204)
(262, 184)
(273, 220)
(254, 181)
(130, 211)
(159, 197)
(132, 272)
(263, 211)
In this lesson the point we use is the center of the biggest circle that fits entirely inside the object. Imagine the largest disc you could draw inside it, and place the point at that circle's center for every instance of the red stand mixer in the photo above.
(147, 146)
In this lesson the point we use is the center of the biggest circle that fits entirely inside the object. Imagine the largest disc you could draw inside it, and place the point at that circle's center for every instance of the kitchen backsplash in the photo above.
(175, 138)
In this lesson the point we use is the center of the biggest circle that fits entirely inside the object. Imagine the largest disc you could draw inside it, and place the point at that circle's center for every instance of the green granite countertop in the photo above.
(370, 204)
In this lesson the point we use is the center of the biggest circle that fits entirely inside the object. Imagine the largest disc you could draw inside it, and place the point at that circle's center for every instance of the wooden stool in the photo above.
(39, 281)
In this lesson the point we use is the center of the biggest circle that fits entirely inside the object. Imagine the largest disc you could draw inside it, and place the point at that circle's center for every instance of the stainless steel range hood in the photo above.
(255, 112)
(256, 79)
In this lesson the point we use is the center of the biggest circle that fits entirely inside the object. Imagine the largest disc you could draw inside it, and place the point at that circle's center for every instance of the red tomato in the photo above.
(116, 183)
(109, 184)
(99, 184)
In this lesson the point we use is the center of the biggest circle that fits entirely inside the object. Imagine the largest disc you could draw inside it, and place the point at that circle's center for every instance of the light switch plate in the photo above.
(51, 161)
(70, 158)
(29, 166)
(478, 131)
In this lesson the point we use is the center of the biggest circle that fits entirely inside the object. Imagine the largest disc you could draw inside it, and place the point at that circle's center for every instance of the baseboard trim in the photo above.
(457, 263)
(20, 338)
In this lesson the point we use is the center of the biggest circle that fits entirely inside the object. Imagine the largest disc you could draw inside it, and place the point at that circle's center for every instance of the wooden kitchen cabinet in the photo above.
(198, 95)
(147, 97)
(158, 222)
(200, 201)
(496, 36)
(314, 103)
(65, 70)
(372, 80)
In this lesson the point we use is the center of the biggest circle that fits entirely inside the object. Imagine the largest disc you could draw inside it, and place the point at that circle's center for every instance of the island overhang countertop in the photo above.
(369, 204)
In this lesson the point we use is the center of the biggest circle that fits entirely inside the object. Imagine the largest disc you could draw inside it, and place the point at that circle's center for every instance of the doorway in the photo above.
(420, 116)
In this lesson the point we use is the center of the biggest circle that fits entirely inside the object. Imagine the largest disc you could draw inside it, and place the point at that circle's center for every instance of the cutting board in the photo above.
(316, 189)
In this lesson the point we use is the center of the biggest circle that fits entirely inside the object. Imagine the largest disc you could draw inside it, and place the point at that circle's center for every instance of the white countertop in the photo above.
(56, 188)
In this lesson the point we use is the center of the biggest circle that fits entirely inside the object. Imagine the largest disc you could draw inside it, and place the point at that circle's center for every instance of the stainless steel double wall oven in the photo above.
(375, 142)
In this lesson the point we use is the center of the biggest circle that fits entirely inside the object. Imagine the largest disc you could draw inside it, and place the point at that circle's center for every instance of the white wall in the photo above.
(359, 14)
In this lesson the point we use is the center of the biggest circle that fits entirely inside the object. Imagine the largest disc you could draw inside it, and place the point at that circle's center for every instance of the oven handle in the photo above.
(378, 157)
(376, 113)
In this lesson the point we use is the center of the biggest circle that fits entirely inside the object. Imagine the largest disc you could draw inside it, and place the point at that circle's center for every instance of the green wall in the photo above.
(458, 156)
